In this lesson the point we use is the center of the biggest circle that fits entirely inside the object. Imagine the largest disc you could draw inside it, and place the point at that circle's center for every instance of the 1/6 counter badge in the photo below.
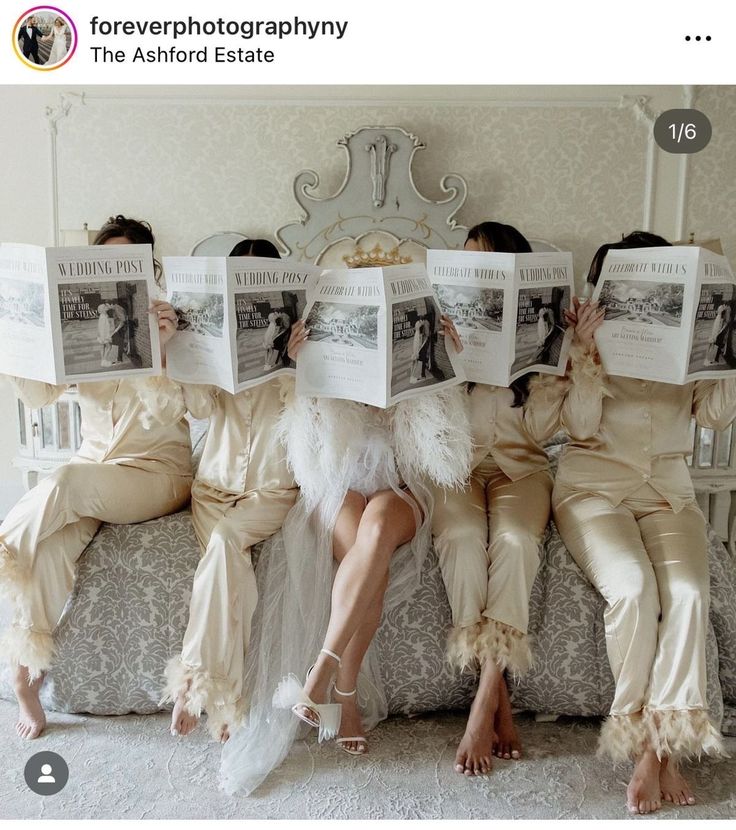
(44, 38)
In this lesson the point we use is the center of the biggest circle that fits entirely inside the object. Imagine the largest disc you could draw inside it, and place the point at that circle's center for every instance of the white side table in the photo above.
(47, 437)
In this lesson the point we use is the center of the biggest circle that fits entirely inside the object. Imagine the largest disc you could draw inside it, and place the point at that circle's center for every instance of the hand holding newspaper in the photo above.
(669, 314)
(235, 318)
(375, 337)
(77, 314)
(508, 309)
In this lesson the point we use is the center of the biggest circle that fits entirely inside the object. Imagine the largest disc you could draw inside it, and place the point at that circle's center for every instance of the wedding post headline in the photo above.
(295, 28)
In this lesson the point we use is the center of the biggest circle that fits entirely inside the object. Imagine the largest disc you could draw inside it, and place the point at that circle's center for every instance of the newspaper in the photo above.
(235, 318)
(508, 310)
(77, 314)
(669, 314)
(375, 337)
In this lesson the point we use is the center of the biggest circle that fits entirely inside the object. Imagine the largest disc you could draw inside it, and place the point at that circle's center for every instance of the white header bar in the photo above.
(380, 42)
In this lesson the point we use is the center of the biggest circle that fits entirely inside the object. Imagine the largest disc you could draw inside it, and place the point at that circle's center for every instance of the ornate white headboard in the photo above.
(377, 216)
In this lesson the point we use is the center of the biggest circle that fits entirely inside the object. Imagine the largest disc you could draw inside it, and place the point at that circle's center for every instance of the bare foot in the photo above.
(673, 785)
(224, 734)
(182, 722)
(507, 744)
(643, 793)
(351, 724)
(31, 717)
(473, 756)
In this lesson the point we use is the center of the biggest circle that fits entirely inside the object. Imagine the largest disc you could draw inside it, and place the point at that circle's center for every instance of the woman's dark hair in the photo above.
(495, 236)
(136, 231)
(256, 247)
(637, 239)
(503, 239)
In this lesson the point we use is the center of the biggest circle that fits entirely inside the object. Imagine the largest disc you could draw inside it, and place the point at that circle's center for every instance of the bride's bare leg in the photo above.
(351, 724)
(386, 522)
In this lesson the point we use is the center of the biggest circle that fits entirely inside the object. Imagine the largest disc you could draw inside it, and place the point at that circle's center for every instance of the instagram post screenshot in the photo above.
(367, 402)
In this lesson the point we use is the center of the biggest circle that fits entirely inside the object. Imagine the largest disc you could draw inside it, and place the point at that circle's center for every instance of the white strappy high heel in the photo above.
(290, 694)
(356, 739)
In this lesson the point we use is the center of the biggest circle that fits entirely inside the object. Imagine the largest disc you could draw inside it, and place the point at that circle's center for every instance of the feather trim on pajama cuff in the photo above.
(13, 578)
(623, 737)
(469, 646)
(29, 648)
(203, 693)
(505, 645)
(683, 733)
(461, 653)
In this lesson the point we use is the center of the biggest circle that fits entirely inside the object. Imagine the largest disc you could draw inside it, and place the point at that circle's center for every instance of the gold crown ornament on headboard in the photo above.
(375, 258)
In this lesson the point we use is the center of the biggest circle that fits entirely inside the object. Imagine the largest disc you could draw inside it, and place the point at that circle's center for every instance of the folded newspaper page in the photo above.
(235, 318)
(508, 309)
(375, 337)
(669, 314)
(77, 314)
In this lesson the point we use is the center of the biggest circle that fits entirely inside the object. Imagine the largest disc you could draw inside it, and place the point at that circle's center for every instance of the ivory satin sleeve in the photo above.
(35, 393)
(714, 403)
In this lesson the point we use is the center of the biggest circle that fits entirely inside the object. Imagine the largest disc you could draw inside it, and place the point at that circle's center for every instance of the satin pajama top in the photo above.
(512, 435)
(242, 451)
(625, 432)
(112, 427)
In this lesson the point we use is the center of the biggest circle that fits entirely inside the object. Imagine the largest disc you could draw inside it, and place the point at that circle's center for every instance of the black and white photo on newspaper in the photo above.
(77, 314)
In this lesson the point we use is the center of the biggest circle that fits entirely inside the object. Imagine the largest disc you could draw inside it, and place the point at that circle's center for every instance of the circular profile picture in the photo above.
(44, 37)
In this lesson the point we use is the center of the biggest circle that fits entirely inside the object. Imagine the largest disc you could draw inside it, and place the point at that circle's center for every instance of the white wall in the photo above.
(570, 164)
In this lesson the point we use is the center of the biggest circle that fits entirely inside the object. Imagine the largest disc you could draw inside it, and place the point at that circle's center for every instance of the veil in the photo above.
(333, 446)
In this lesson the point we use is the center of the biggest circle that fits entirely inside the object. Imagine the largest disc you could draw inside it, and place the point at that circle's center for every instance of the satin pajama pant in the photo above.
(487, 537)
(650, 564)
(47, 531)
(224, 596)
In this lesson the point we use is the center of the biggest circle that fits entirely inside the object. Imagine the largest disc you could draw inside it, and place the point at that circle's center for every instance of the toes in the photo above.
(667, 797)
(516, 754)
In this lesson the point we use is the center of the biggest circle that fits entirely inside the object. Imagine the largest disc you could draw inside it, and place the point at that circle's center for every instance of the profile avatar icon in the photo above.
(46, 777)
(46, 773)
(44, 38)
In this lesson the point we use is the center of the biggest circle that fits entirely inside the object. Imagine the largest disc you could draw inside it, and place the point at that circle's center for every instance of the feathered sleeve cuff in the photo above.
(162, 401)
(432, 438)
(583, 405)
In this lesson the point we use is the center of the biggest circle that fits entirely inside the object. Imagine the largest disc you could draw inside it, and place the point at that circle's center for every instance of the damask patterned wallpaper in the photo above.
(574, 175)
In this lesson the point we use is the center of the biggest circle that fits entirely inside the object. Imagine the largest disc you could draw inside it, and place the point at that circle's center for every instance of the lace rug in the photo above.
(129, 767)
